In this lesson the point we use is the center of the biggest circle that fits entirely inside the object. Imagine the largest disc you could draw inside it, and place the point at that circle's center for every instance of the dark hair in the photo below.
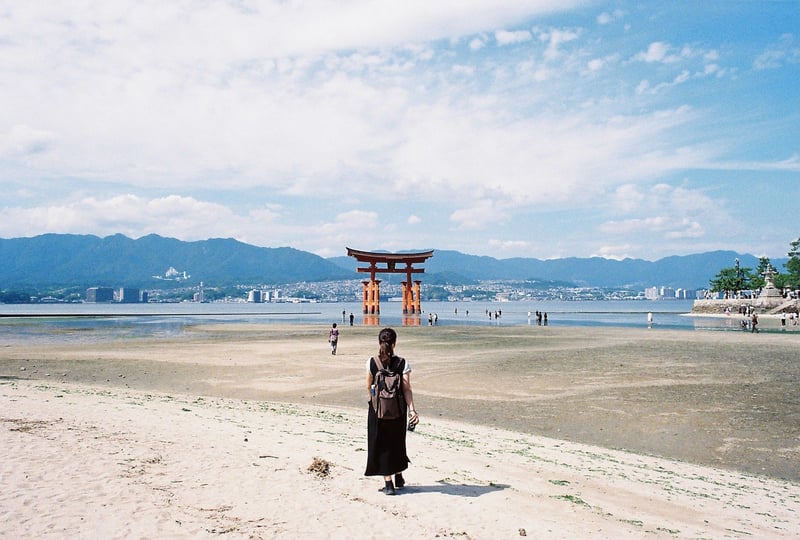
(334, 325)
(386, 339)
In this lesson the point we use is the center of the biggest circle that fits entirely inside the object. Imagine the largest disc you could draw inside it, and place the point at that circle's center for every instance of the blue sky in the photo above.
(546, 128)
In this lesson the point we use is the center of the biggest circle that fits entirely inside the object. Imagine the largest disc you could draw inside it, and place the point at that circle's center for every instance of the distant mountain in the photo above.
(85, 260)
(687, 271)
(115, 261)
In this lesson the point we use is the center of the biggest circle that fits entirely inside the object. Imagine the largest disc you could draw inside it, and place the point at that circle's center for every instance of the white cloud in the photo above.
(23, 141)
(686, 228)
(555, 38)
(665, 215)
(464, 70)
(510, 246)
(636, 225)
(481, 214)
(658, 51)
(604, 18)
(595, 64)
(628, 198)
(476, 44)
(504, 37)
(790, 164)
(682, 77)
(617, 252)
(610, 60)
(775, 56)
(216, 34)
(182, 217)
(330, 105)
(607, 18)
(474, 155)
(354, 220)
(143, 112)
(543, 74)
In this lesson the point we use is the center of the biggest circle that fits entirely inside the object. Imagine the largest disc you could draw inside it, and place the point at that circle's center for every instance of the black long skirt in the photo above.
(386, 445)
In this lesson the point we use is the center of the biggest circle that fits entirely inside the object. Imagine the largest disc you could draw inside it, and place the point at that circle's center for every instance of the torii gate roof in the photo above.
(373, 257)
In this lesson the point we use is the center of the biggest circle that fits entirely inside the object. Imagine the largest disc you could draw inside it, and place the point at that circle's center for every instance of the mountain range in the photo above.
(68, 260)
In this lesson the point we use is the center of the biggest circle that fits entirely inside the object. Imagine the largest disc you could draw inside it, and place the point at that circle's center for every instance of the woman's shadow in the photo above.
(458, 490)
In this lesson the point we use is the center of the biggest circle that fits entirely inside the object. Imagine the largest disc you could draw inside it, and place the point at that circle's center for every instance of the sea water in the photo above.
(74, 322)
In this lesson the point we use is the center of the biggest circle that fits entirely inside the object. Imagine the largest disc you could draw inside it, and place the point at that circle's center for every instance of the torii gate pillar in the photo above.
(371, 292)
(372, 297)
(412, 303)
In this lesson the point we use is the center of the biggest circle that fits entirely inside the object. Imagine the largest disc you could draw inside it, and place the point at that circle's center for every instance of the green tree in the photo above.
(15, 297)
(435, 293)
(758, 281)
(732, 280)
(792, 279)
(305, 293)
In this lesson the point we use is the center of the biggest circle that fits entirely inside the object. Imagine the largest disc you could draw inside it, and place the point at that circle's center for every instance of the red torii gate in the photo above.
(372, 288)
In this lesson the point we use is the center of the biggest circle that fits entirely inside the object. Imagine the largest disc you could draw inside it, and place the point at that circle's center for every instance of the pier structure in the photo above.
(390, 263)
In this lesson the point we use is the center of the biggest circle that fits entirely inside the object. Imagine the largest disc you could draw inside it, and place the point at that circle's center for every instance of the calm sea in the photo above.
(60, 322)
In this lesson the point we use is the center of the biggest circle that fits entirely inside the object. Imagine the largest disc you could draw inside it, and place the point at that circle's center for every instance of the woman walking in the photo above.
(333, 338)
(386, 439)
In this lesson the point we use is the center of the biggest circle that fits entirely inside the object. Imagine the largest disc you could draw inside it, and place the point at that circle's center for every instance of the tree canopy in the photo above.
(792, 278)
(732, 280)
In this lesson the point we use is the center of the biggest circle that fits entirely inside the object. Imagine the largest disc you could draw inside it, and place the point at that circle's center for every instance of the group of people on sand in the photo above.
(750, 318)
(541, 318)
(386, 438)
(344, 317)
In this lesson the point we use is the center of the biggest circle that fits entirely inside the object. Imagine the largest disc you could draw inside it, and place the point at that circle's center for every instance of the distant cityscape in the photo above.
(351, 291)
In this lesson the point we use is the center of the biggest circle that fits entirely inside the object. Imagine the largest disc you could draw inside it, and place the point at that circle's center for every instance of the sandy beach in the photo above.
(256, 431)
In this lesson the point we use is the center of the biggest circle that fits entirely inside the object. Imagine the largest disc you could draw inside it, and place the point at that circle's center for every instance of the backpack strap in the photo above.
(379, 365)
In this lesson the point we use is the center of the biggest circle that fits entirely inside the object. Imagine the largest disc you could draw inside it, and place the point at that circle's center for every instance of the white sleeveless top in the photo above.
(406, 370)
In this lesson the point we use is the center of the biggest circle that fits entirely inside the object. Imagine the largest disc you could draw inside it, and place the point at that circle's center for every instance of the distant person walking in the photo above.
(333, 338)
(351, 319)
(754, 323)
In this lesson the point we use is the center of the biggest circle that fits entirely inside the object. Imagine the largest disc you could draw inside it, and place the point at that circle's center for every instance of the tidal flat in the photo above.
(728, 400)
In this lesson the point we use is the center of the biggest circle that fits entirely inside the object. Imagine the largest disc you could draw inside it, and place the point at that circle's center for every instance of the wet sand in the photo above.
(727, 400)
